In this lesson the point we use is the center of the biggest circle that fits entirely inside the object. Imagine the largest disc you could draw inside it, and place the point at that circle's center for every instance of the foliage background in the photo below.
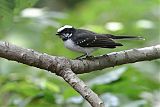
(33, 24)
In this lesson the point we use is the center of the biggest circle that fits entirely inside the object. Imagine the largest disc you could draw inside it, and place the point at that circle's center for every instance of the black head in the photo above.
(65, 32)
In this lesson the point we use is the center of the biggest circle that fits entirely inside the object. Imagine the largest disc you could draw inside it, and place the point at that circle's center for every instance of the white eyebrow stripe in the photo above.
(64, 27)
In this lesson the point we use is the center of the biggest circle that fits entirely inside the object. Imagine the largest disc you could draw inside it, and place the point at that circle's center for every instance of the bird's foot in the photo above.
(85, 56)
(89, 57)
(80, 57)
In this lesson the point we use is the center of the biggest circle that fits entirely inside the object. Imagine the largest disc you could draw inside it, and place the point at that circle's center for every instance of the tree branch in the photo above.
(60, 66)
(116, 58)
(64, 67)
(81, 88)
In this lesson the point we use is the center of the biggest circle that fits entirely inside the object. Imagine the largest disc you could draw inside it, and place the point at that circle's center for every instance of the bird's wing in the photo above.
(95, 40)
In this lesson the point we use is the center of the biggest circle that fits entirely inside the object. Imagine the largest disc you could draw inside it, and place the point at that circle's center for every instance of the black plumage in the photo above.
(91, 39)
(86, 41)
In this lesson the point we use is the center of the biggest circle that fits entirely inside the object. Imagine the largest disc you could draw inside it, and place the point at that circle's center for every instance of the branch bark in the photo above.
(64, 67)
(81, 87)
(60, 66)
(115, 59)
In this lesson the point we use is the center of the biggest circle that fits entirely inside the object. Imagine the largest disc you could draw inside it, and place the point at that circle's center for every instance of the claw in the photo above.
(81, 57)
(89, 57)
(85, 56)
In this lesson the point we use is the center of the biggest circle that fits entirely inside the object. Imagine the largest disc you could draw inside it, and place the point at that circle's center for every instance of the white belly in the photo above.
(70, 45)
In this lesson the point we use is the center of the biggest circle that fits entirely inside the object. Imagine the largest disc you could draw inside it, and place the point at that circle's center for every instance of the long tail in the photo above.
(126, 37)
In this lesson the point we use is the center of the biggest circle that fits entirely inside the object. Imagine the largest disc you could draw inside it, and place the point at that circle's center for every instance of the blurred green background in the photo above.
(33, 24)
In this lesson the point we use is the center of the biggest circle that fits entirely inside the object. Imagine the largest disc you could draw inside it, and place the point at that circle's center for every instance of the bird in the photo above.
(86, 41)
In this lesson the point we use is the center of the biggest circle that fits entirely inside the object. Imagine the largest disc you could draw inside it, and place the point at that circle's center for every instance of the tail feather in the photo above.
(126, 37)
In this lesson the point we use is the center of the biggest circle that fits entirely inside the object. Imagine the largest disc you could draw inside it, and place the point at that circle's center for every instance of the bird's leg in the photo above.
(81, 57)
(89, 57)
(85, 56)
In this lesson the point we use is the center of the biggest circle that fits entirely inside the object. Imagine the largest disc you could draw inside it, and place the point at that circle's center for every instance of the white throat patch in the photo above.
(64, 27)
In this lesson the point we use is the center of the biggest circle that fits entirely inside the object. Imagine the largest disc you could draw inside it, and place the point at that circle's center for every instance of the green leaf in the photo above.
(6, 13)
(9, 8)
(22, 4)
(132, 83)
(20, 88)
(69, 92)
(53, 87)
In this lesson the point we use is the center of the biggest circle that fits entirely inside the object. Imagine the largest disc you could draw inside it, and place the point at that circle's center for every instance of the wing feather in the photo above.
(90, 39)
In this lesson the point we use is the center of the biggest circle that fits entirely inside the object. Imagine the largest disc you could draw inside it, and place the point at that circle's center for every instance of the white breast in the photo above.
(70, 45)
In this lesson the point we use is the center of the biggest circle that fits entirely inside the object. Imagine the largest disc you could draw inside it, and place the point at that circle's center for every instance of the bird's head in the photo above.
(65, 32)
